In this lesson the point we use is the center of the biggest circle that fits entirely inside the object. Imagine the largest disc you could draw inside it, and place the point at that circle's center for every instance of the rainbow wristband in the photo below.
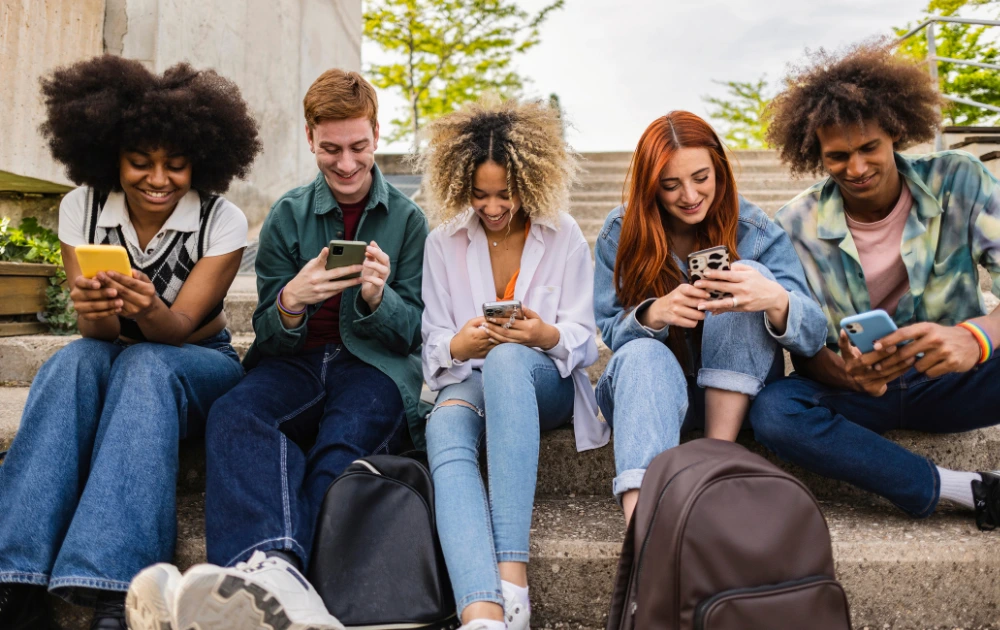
(285, 311)
(985, 345)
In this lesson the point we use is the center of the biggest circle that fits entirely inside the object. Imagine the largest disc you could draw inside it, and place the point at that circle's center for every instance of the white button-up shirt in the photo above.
(556, 281)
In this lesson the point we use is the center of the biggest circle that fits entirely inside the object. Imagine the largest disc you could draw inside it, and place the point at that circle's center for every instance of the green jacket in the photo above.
(303, 222)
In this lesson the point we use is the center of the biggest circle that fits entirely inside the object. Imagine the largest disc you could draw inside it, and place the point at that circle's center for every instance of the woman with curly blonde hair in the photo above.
(498, 174)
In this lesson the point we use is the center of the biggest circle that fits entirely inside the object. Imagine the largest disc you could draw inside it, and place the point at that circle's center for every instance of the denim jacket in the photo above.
(759, 239)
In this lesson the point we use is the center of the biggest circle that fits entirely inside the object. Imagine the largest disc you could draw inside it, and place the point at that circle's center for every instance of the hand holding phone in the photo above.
(345, 254)
(503, 310)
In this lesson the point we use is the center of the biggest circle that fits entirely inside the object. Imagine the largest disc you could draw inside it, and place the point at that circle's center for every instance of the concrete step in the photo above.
(564, 472)
(898, 573)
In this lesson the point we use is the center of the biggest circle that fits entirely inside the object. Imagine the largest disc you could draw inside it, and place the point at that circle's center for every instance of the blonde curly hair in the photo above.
(522, 136)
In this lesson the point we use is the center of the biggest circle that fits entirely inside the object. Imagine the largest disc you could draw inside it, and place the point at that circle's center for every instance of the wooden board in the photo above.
(22, 294)
(26, 269)
(10, 329)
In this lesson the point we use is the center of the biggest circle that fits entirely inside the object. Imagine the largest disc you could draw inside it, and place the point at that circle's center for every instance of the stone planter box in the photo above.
(22, 294)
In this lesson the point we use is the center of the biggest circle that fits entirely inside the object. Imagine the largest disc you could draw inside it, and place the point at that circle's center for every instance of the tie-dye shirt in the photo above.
(953, 225)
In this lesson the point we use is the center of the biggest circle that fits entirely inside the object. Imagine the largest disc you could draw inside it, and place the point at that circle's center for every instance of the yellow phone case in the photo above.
(97, 258)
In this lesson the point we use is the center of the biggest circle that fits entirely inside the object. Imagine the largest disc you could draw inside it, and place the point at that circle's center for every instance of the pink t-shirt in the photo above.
(878, 247)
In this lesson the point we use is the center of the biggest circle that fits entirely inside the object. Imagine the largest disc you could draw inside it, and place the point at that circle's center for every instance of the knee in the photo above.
(143, 363)
(645, 358)
(451, 433)
(83, 358)
(508, 359)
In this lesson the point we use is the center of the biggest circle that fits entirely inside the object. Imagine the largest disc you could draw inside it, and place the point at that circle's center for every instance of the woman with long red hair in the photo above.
(681, 356)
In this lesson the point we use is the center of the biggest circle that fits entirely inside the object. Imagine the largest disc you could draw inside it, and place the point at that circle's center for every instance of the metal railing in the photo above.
(933, 60)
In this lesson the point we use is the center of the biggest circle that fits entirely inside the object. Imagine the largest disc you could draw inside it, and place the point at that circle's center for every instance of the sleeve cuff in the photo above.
(658, 333)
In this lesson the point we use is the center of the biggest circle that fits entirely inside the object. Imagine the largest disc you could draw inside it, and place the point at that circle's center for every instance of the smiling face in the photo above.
(345, 154)
(687, 187)
(861, 162)
(154, 180)
(495, 205)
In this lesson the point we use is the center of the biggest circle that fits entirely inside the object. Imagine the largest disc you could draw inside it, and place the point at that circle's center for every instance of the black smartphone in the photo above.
(345, 254)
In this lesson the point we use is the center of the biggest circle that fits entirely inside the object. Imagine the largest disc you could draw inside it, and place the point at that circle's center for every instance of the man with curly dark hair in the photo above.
(335, 364)
(87, 492)
(903, 234)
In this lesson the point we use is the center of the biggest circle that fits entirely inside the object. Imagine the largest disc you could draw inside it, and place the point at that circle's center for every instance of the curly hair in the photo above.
(867, 83)
(524, 137)
(102, 106)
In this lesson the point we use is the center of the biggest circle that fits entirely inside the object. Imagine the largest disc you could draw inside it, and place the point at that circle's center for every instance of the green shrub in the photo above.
(33, 243)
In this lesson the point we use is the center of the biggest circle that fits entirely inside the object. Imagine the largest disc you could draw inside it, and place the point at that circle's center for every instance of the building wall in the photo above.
(35, 37)
(272, 49)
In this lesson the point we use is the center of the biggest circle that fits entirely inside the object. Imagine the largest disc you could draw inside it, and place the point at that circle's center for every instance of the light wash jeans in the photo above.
(647, 399)
(88, 489)
(518, 394)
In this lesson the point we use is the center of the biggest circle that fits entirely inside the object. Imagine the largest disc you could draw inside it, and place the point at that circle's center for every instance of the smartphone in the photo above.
(503, 309)
(345, 254)
(864, 329)
(712, 258)
(96, 258)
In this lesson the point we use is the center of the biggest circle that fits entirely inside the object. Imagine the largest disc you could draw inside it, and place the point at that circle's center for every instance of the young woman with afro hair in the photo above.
(87, 491)
(499, 174)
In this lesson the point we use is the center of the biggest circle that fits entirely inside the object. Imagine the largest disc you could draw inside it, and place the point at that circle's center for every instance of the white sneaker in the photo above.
(149, 604)
(260, 594)
(516, 613)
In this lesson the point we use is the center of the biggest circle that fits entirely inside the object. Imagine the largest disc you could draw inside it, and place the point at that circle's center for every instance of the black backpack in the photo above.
(376, 559)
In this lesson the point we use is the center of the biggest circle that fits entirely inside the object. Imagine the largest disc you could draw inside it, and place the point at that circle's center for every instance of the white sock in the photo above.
(519, 592)
(956, 486)
(488, 624)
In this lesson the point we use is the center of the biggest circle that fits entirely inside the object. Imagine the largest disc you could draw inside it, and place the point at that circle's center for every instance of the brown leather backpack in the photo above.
(722, 540)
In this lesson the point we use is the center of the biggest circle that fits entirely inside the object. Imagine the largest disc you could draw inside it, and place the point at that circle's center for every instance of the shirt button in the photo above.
(340, 234)
(861, 275)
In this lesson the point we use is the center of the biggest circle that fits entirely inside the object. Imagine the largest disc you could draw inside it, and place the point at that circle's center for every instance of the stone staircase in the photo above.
(899, 573)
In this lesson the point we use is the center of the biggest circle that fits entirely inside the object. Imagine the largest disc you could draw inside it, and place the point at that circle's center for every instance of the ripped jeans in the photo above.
(518, 394)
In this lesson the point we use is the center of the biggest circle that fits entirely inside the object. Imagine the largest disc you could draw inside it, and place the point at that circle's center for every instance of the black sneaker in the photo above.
(109, 612)
(986, 496)
(23, 607)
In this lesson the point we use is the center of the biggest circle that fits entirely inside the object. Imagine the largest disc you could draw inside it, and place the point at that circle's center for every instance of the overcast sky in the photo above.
(618, 64)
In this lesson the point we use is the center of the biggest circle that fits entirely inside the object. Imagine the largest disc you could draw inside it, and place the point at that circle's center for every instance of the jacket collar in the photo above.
(831, 221)
(324, 201)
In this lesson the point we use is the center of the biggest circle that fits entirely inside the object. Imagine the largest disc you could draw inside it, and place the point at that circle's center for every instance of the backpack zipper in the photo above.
(703, 608)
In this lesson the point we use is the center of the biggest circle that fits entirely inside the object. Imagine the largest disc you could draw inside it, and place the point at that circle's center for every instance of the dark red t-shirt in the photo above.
(324, 325)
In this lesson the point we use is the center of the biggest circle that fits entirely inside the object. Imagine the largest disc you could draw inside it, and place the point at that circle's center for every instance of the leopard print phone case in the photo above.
(712, 258)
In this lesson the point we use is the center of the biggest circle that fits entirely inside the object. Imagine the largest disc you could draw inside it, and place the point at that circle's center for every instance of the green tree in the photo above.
(741, 113)
(448, 52)
(966, 42)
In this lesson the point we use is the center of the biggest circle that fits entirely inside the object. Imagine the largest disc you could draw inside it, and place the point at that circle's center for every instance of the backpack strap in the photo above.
(620, 617)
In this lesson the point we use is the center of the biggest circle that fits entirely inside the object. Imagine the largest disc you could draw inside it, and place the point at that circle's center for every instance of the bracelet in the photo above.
(985, 345)
(285, 311)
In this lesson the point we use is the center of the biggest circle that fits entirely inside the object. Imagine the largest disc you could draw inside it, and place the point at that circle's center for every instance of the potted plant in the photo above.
(32, 281)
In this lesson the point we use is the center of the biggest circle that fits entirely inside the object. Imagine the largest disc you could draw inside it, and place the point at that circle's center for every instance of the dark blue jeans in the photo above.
(88, 491)
(277, 440)
(838, 433)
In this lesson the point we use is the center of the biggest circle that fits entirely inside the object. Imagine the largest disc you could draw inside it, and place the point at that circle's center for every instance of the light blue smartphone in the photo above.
(864, 329)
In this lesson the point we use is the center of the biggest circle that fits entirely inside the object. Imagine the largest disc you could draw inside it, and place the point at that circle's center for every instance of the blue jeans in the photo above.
(276, 441)
(647, 399)
(518, 394)
(88, 490)
(838, 433)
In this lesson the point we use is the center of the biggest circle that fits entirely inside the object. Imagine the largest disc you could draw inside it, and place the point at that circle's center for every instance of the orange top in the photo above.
(508, 293)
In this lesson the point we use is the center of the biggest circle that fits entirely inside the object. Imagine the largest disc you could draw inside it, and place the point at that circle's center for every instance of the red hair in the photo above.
(644, 267)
